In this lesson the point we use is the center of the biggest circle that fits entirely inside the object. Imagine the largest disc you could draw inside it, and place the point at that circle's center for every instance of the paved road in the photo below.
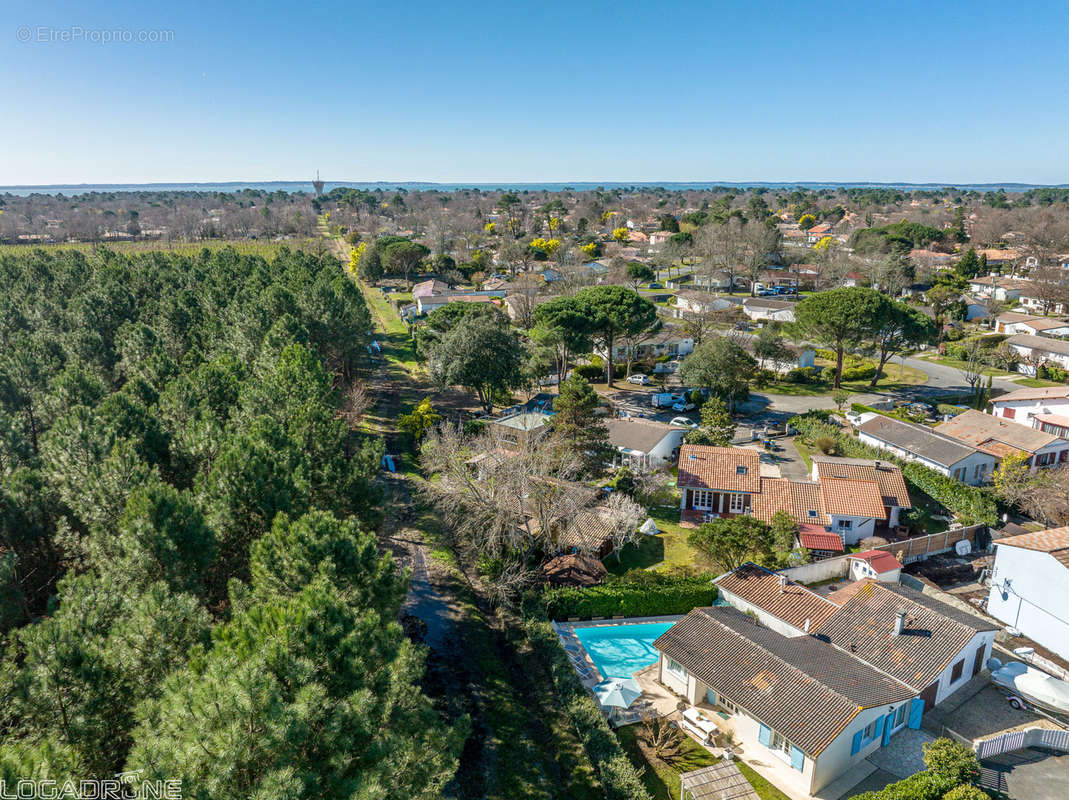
(1030, 774)
(943, 378)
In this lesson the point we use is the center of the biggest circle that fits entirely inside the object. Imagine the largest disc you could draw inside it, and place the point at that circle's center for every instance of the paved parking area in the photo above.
(903, 755)
(1030, 774)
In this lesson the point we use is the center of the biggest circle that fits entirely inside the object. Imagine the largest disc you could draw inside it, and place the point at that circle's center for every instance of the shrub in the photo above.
(591, 373)
(803, 375)
(859, 373)
(922, 786)
(967, 793)
(826, 444)
(630, 597)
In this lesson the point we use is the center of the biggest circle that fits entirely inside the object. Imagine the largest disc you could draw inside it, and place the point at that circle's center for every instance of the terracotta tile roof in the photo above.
(805, 498)
(1042, 393)
(880, 560)
(797, 498)
(814, 537)
(852, 498)
(840, 596)
(1040, 324)
(735, 469)
(934, 632)
(1053, 540)
(1053, 419)
(798, 686)
(892, 486)
(586, 531)
(994, 434)
(775, 495)
(789, 601)
(888, 477)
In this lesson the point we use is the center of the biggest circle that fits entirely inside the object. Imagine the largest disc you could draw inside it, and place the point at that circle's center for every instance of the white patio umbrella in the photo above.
(618, 692)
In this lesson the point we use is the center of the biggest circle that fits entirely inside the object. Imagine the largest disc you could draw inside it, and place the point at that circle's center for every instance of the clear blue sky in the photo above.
(528, 91)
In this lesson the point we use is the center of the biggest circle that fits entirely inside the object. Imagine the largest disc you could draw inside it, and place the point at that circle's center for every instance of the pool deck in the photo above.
(654, 697)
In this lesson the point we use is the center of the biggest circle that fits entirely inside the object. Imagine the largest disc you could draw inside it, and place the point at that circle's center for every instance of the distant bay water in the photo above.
(306, 186)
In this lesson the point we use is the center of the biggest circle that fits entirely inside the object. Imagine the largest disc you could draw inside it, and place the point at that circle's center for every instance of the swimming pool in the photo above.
(619, 651)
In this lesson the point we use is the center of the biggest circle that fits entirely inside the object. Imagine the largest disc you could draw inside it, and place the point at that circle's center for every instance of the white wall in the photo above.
(861, 527)
(1027, 352)
(836, 758)
(662, 452)
(969, 463)
(968, 653)
(859, 570)
(1037, 596)
(1024, 410)
(768, 620)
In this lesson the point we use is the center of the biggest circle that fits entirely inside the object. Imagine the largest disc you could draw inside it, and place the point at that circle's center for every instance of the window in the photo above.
(959, 474)
(740, 470)
(727, 705)
(845, 525)
(870, 732)
(812, 513)
(1009, 413)
(958, 669)
(675, 668)
(780, 744)
(737, 504)
(900, 716)
(702, 498)
(1063, 456)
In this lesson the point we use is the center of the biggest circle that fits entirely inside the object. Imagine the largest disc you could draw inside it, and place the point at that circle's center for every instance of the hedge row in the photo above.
(619, 778)
(970, 504)
(669, 596)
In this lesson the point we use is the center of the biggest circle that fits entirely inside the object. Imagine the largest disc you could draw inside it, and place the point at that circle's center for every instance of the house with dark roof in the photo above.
(819, 682)
(1030, 586)
(762, 308)
(1036, 350)
(944, 454)
(644, 444)
(812, 706)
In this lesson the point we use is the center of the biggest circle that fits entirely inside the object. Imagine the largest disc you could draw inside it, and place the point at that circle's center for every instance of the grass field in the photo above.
(1037, 383)
(951, 362)
(895, 377)
(666, 550)
(254, 247)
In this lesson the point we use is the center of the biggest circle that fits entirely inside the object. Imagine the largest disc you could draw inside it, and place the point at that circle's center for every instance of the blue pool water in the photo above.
(619, 651)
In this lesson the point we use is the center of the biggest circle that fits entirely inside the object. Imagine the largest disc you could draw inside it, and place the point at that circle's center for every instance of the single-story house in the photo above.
(1028, 404)
(1005, 289)
(996, 256)
(429, 288)
(1000, 437)
(1013, 323)
(1030, 586)
(429, 303)
(763, 308)
(670, 340)
(878, 564)
(695, 302)
(1030, 299)
(851, 279)
(642, 443)
(1035, 350)
(975, 307)
(519, 428)
(801, 356)
(944, 454)
(714, 278)
(658, 238)
(819, 683)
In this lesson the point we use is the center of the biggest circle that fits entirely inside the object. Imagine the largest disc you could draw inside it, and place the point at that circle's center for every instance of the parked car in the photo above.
(767, 293)
(656, 285)
(639, 378)
(683, 422)
(683, 405)
(664, 399)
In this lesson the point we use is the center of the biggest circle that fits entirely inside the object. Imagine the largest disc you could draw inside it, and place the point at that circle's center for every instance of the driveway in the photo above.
(1030, 774)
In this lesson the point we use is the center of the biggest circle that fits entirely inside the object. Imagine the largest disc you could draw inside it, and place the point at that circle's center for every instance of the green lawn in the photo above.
(805, 452)
(666, 550)
(1037, 383)
(895, 377)
(951, 362)
(662, 778)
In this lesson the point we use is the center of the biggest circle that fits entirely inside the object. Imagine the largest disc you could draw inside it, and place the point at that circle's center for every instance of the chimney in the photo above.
(806, 627)
(900, 621)
(782, 584)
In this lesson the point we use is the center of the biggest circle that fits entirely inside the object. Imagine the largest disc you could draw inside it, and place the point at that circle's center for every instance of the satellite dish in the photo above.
(963, 548)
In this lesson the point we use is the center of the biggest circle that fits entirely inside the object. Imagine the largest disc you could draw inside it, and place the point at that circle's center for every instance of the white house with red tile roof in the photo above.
(1024, 405)
(878, 564)
(1030, 586)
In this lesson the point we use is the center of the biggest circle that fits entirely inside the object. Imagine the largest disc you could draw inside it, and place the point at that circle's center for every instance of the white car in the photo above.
(684, 422)
(684, 405)
(641, 380)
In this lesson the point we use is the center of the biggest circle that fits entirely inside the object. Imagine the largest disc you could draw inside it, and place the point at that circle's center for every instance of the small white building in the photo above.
(1012, 323)
(1024, 405)
(1030, 587)
(764, 308)
(644, 444)
(1005, 290)
(877, 564)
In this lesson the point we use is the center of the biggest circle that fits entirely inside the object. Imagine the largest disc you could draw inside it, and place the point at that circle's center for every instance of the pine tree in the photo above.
(716, 427)
(578, 425)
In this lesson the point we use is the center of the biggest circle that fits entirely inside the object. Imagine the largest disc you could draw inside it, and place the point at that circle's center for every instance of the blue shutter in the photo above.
(764, 735)
(797, 758)
(916, 711)
(879, 729)
(710, 697)
(857, 742)
(888, 723)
